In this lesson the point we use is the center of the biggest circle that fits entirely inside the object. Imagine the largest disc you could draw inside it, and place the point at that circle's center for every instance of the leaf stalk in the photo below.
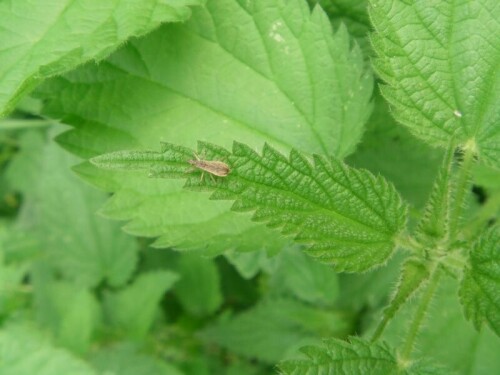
(421, 313)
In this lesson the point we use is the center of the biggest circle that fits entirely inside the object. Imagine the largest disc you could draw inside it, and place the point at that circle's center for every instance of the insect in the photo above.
(214, 167)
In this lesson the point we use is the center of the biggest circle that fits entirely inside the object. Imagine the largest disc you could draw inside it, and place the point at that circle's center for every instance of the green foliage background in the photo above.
(367, 133)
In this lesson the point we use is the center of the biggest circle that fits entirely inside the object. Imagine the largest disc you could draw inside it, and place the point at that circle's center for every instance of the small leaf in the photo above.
(346, 217)
(274, 329)
(352, 13)
(43, 39)
(199, 286)
(481, 283)
(440, 61)
(24, 351)
(413, 273)
(357, 357)
(85, 248)
(370, 290)
(305, 278)
(70, 311)
(124, 359)
(11, 274)
(248, 264)
(133, 309)
(435, 221)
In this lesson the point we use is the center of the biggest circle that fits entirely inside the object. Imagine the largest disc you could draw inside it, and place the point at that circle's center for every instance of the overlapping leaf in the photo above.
(60, 213)
(24, 351)
(481, 284)
(345, 216)
(133, 309)
(355, 357)
(445, 324)
(294, 273)
(274, 329)
(70, 312)
(413, 274)
(125, 359)
(43, 39)
(352, 13)
(260, 71)
(440, 62)
(199, 289)
(391, 150)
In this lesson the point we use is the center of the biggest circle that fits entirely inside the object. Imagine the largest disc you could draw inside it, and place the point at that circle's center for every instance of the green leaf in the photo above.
(304, 278)
(23, 171)
(413, 274)
(440, 62)
(434, 223)
(414, 169)
(345, 216)
(352, 13)
(133, 309)
(199, 286)
(126, 360)
(355, 357)
(287, 78)
(11, 276)
(60, 211)
(248, 264)
(369, 291)
(71, 312)
(274, 329)
(446, 338)
(481, 283)
(24, 351)
(40, 40)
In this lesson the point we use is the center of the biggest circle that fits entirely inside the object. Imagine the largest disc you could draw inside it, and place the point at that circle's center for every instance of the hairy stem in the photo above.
(406, 241)
(461, 189)
(381, 327)
(420, 313)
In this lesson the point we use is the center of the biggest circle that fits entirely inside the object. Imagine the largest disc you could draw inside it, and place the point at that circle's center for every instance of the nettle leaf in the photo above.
(413, 274)
(344, 216)
(435, 221)
(274, 329)
(11, 273)
(293, 272)
(198, 289)
(133, 309)
(25, 351)
(247, 264)
(352, 13)
(42, 39)
(481, 283)
(265, 70)
(440, 62)
(371, 290)
(414, 169)
(72, 313)
(125, 359)
(60, 213)
(475, 351)
(355, 357)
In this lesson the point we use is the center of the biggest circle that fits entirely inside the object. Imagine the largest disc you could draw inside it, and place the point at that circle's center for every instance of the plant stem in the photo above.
(380, 328)
(461, 189)
(406, 241)
(420, 313)
(17, 124)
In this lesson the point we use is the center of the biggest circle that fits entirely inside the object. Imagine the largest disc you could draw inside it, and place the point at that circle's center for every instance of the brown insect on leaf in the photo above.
(214, 167)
